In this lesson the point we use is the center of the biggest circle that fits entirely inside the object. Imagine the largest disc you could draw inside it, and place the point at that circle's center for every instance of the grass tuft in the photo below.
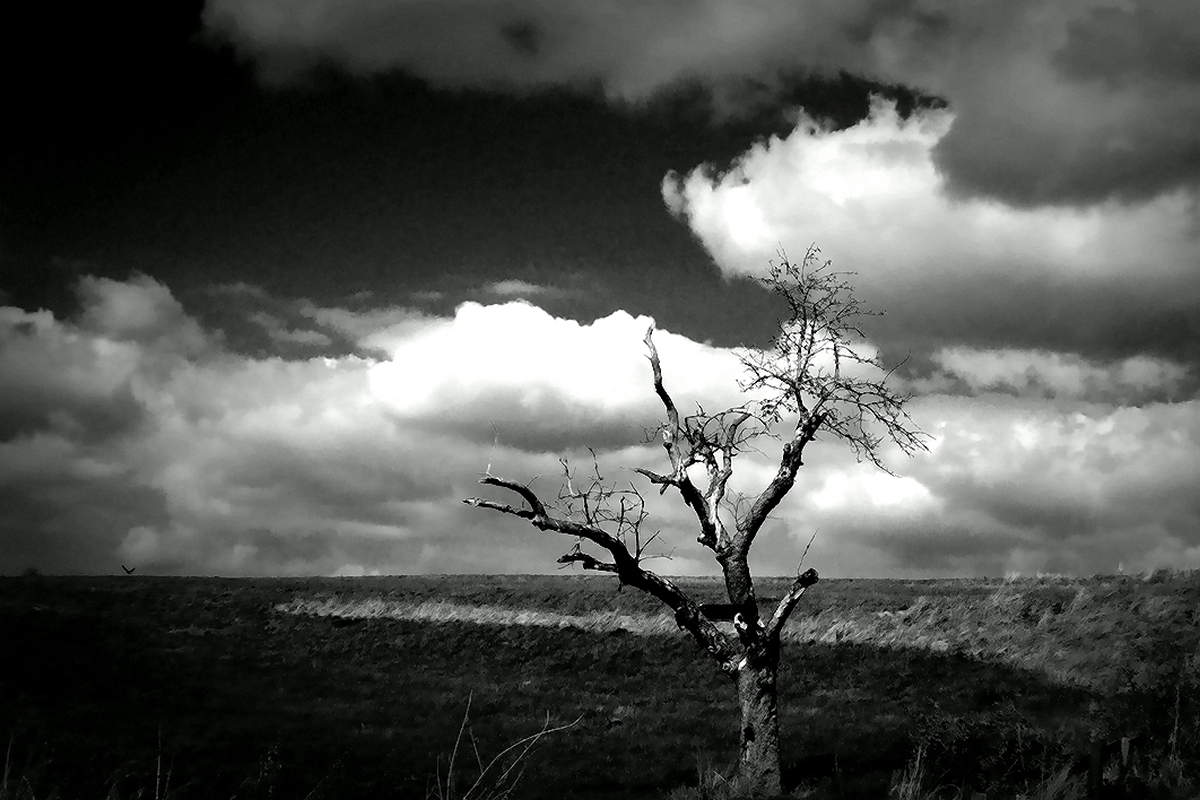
(495, 780)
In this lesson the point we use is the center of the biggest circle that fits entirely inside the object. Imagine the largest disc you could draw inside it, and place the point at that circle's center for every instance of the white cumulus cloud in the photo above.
(169, 453)
(516, 367)
(872, 197)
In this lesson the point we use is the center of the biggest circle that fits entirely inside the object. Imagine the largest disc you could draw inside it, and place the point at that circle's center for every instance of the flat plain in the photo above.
(357, 687)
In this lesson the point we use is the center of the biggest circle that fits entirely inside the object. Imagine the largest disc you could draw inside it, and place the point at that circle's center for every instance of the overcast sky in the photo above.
(279, 280)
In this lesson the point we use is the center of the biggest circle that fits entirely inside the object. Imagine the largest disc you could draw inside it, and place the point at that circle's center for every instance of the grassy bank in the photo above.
(353, 688)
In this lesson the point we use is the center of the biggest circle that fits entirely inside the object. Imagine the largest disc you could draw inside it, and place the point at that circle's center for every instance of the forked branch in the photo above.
(710, 441)
(820, 376)
(624, 564)
(788, 603)
(822, 371)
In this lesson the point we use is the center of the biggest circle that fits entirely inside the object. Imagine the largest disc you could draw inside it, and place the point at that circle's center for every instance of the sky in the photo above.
(280, 279)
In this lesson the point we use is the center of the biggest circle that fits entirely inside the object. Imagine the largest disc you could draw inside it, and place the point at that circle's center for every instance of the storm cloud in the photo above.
(133, 435)
(1108, 281)
(1054, 103)
(389, 246)
(162, 449)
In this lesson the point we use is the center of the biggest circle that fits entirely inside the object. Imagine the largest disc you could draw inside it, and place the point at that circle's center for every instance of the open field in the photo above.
(353, 688)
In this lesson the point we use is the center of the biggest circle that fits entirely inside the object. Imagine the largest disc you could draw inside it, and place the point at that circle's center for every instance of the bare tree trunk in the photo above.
(823, 325)
(758, 763)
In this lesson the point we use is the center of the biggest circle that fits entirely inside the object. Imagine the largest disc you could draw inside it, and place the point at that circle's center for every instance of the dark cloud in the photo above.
(525, 36)
(1069, 105)
(355, 481)
(1105, 319)
(1060, 105)
(1054, 376)
(307, 419)
(237, 464)
(245, 465)
(57, 383)
(28, 410)
(1147, 58)
(978, 157)
(131, 435)
(937, 547)
(1158, 41)
(1108, 282)
(552, 427)
(69, 523)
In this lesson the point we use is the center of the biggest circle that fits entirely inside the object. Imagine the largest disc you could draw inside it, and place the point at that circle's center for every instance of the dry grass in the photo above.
(1050, 624)
(497, 779)
(1130, 642)
(353, 687)
(441, 611)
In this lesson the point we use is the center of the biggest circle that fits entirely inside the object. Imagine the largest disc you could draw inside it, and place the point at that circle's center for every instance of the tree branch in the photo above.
(587, 561)
(788, 603)
(820, 373)
(624, 564)
(503, 508)
(790, 462)
(536, 506)
(676, 435)
(659, 389)
(691, 495)
(821, 370)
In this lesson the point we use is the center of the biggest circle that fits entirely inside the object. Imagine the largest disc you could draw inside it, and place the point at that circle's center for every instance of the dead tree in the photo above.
(818, 380)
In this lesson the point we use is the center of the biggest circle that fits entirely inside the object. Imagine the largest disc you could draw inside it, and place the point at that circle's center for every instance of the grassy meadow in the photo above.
(357, 688)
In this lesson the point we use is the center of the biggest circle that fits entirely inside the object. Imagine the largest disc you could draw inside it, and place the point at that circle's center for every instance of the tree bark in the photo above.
(739, 587)
(759, 773)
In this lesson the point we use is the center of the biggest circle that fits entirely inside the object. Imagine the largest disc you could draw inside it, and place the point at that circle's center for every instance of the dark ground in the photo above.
(109, 684)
